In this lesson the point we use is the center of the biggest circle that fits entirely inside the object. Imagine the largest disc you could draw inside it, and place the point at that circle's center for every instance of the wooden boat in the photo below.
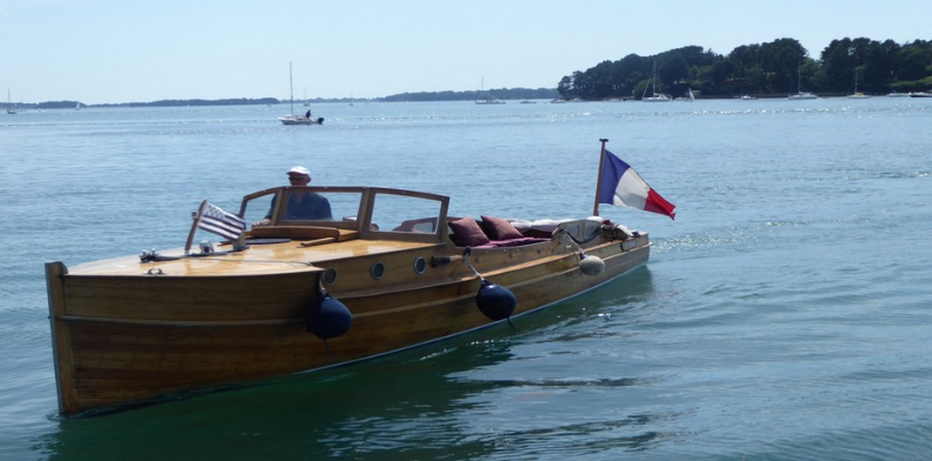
(388, 270)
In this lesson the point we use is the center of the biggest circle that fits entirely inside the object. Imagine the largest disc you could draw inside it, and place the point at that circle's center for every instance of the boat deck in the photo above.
(275, 258)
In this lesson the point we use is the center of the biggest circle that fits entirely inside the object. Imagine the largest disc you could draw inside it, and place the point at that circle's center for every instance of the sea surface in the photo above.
(786, 314)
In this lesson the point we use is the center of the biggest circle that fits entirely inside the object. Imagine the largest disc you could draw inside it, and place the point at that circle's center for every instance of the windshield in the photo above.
(374, 212)
(402, 213)
(302, 206)
(305, 207)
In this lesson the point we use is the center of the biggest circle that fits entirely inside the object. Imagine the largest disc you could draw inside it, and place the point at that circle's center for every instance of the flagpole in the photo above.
(598, 180)
(197, 222)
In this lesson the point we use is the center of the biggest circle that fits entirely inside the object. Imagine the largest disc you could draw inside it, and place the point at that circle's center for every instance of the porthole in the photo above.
(378, 271)
(420, 265)
(330, 276)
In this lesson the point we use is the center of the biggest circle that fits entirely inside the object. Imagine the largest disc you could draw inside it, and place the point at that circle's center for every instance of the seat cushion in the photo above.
(466, 232)
(500, 229)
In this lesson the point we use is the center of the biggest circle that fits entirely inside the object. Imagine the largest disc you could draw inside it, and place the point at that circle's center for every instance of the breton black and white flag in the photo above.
(217, 221)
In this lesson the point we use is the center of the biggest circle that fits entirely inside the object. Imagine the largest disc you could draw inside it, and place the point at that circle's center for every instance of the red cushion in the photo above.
(467, 233)
(499, 229)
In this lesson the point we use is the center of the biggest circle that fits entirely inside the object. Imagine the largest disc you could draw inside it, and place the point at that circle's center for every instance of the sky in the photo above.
(113, 51)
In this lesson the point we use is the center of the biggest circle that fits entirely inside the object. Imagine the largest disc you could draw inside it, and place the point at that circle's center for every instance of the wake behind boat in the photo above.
(377, 270)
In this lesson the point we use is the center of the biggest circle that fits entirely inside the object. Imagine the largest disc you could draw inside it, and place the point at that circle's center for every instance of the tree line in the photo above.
(776, 68)
(503, 93)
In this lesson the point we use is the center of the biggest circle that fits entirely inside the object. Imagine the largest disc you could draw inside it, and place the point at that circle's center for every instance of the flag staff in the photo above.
(598, 180)
(197, 221)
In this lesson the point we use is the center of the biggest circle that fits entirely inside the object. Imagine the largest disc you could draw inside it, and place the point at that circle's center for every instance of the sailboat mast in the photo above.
(799, 78)
(653, 80)
(291, 87)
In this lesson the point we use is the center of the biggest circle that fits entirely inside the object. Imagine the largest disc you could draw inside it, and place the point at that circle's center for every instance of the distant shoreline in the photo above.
(405, 97)
(503, 93)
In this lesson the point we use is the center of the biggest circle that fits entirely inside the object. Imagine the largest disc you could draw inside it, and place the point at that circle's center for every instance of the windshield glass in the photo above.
(304, 206)
(258, 208)
(418, 216)
(401, 213)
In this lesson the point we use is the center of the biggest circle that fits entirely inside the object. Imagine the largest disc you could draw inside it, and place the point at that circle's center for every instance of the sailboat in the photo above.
(487, 99)
(297, 119)
(857, 94)
(690, 97)
(9, 106)
(799, 87)
(655, 97)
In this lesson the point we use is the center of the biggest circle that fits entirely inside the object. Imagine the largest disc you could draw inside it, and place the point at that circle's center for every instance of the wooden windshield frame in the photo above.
(363, 222)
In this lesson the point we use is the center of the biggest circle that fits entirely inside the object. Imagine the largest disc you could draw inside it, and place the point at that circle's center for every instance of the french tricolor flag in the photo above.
(620, 185)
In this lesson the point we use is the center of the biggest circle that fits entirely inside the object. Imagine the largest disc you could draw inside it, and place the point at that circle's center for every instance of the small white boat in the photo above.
(920, 94)
(803, 95)
(485, 99)
(800, 94)
(690, 97)
(898, 95)
(298, 120)
(857, 94)
(9, 106)
(655, 96)
(294, 119)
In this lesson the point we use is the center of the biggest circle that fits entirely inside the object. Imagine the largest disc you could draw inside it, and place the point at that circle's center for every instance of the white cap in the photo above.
(300, 170)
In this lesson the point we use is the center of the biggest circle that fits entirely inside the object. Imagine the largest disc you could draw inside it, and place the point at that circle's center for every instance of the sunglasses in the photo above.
(297, 178)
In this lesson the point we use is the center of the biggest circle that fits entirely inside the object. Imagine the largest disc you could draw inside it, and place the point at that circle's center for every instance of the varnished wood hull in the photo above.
(125, 339)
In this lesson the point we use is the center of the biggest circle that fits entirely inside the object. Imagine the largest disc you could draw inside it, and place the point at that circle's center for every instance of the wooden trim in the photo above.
(182, 323)
(304, 232)
(61, 340)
